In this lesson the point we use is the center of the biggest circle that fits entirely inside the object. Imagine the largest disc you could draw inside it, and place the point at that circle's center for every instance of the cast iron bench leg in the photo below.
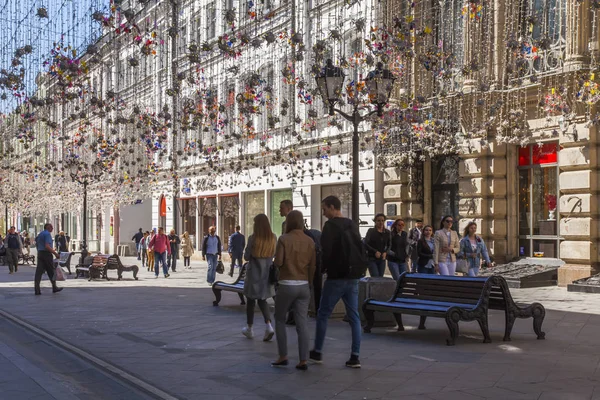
(370, 317)
(135, 272)
(509, 317)
(422, 322)
(398, 318)
(539, 313)
(217, 293)
(452, 319)
(483, 324)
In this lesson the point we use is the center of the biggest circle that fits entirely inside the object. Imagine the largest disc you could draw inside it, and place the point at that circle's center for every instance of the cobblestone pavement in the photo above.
(32, 368)
(167, 333)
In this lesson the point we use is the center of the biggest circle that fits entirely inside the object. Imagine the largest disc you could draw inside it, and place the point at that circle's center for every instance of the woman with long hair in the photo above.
(425, 247)
(377, 242)
(473, 249)
(447, 247)
(296, 260)
(186, 249)
(257, 288)
(398, 252)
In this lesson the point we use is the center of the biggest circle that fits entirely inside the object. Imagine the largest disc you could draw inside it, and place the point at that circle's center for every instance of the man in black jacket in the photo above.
(172, 258)
(338, 285)
(137, 238)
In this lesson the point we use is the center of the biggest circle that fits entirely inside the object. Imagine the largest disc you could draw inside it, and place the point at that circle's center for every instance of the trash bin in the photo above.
(378, 289)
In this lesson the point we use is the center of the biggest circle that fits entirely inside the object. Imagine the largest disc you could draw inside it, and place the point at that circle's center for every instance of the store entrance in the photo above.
(444, 190)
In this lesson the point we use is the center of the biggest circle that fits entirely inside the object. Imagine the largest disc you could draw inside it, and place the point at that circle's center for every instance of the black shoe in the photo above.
(231, 273)
(56, 289)
(353, 362)
(315, 357)
(280, 363)
(290, 319)
(302, 367)
(37, 293)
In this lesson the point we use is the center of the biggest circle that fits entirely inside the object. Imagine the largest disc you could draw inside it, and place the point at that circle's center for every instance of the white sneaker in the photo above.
(269, 332)
(248, 332)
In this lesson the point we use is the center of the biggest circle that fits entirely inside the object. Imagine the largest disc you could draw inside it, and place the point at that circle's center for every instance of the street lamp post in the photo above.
(379, 83)
(83, 178)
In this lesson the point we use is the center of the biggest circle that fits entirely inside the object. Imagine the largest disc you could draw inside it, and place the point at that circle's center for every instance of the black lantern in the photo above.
(379, 84)
(330, 82)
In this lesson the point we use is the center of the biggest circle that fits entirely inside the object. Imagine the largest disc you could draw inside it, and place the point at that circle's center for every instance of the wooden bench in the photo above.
(26, 259)
(64, 260)
(114, 262)
(453, 298)
(97, 270)
(236, 287)
(501, 299)
(83, 267)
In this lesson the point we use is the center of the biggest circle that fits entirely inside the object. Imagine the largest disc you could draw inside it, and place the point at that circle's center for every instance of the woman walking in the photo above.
(377, 243)
(397, 254)
(143, 248)
(295, 259)
(186, 249)
(473, 249)
(26, 243)
(150, 251)
(446, 248)
(257, 288)
(425, 247)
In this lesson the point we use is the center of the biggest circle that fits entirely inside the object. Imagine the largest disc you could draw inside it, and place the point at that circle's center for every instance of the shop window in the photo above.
(208, 214)
(189, 211)
(255, 204)
(277, 220)
(538, 200)
(230, 208)
(342, 192)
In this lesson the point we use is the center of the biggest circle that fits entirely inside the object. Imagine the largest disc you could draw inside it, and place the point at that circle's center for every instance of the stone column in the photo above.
(578, 32)
(483, 191)
(398, 194)
(578, 207)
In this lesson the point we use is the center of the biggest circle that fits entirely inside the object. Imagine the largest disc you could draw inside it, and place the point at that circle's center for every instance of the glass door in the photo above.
(444, 191)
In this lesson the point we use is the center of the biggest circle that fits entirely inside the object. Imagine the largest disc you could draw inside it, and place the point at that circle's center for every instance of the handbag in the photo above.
(59, 274)
(273, 274)
(220, 267)
(462, 265)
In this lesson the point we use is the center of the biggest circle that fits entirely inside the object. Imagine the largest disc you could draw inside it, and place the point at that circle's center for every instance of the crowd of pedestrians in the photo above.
(291, 269)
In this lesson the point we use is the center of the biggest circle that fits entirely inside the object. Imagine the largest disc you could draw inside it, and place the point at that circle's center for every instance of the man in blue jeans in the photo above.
(211, 252)
(337, 286)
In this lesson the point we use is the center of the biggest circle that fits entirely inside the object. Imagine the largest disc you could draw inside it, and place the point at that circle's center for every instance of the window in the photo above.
(182, 41)
(538, 205)
(255, 204)
(277, 220)
(230, 207)
(196, 34)
(342, 192)
(211, 20)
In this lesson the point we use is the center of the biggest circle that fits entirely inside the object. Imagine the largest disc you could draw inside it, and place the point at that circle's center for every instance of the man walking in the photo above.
(161, 248)
(174, 242)
(43, 244)
(13, 246)
(284, 209)
(237, 243)
(413, 237)
(211, 252)
(137, 238)
(342, 258)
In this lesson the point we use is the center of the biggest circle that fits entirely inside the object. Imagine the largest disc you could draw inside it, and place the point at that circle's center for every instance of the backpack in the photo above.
(315, 235)
(353, 252)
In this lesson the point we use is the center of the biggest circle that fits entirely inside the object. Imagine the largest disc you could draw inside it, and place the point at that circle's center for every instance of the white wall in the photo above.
(134, 217)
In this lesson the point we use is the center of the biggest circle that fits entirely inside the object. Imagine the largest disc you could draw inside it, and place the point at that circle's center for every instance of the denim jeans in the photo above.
(473, 271)
(333, 291)
(212, 268)
(376, 267)
(396, 269)
(158, 259)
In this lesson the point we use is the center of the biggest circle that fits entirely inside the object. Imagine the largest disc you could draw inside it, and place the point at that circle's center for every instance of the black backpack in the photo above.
(315, 235)
(353, 252)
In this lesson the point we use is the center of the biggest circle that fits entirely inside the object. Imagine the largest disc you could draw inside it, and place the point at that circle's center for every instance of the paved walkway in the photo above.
(166, 332)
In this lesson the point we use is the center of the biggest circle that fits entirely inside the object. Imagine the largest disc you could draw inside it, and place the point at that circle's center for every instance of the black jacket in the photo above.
(376, 241)
(204, 245)
(331, 247)
(399, 247)
(424, 253)
(175, 244)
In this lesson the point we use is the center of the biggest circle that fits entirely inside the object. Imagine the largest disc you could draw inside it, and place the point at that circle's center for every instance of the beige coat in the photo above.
(440, 239)
(295, 256)
(186, 247)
